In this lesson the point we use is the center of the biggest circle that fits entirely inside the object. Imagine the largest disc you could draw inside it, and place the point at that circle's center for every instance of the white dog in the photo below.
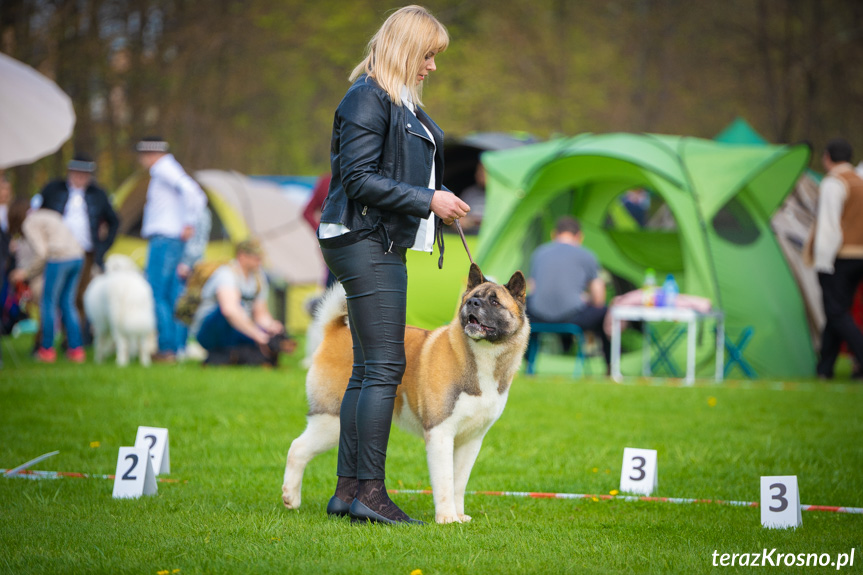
(119, 305)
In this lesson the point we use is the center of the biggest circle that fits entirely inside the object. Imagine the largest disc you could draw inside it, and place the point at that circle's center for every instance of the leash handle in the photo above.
(463, 240)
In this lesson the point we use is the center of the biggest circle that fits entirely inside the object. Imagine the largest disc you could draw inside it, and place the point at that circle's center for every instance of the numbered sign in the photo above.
(639, 473)
(780, 502)
(134, 476)
(156, 440)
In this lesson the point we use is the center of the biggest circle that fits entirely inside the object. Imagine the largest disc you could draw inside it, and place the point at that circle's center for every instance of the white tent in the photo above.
(275, 218)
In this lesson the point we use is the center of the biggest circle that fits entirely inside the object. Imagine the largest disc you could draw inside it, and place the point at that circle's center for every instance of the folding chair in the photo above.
(533, 345)
(664, 346)
(735, 353)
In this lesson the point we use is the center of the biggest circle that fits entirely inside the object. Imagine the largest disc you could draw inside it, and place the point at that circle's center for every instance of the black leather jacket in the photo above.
(99, 210)
(381, 160)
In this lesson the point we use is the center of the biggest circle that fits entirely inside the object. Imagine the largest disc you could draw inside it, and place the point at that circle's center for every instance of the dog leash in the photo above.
(463, 240)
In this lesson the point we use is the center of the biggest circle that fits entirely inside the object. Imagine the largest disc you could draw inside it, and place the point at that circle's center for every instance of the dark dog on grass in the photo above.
(253, 354)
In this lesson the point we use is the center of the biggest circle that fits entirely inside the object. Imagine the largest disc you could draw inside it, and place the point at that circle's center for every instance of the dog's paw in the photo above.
(289, 498)
(441, 518)
(464, 518)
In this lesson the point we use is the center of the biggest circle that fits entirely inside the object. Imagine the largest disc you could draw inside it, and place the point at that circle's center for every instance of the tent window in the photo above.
(217, 230)
(734, 223)
(639, 208)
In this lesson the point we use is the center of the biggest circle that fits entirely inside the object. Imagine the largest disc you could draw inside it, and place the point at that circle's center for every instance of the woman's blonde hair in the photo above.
(397, 51)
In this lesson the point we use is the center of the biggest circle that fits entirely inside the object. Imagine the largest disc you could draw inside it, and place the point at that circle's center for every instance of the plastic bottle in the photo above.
(648, 290)
(670, 290)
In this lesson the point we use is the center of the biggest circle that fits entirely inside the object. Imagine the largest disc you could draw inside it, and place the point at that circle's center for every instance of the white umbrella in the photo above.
(36, 116)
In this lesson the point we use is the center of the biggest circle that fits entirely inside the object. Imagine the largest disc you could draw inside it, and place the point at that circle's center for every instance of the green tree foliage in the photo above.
(252, 85)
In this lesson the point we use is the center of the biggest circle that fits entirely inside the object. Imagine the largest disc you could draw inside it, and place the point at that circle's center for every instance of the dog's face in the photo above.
(492, 312)
(120, 263)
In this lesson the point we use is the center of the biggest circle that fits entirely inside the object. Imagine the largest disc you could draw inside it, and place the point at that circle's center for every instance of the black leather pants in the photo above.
(376, 285)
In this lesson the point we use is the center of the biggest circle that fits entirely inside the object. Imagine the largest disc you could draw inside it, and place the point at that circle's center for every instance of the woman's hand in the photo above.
(448, 207)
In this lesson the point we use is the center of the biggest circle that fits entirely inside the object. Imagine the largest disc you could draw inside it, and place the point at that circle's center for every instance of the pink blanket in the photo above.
(634, 297)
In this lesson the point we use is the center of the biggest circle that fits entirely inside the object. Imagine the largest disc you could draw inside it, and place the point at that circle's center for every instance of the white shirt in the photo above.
(828, 231)
(424, 240)
(76, 219)
(174, 200)
(4, 217)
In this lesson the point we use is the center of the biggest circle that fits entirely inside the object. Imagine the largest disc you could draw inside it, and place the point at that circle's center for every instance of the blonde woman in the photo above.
(385, 197)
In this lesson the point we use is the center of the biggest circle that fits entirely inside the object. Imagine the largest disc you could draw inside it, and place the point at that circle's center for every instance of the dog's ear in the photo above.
(475, 277)
(517, 286)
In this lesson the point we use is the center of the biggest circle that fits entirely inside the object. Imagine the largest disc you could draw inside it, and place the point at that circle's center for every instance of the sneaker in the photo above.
(76, 355)
(44, 355)
(165, 357)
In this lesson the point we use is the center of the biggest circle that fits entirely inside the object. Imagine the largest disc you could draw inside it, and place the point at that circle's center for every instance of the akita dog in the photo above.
(455, 386)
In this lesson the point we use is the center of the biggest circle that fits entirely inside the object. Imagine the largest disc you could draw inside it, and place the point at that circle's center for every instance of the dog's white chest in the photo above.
(473, 414)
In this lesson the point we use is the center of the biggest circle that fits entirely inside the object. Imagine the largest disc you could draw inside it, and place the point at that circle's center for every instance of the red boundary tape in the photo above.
(31, 474)
(541, 495)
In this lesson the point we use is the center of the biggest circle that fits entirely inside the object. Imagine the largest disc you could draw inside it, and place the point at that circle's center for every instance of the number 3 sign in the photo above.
(780, 502)
(639, 473)
(134, 476)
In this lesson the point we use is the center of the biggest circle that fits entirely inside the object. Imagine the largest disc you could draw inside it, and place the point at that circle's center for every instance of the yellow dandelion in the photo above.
(614, 492)
(95, 444)
(711, 401)
(175, 571)
(416, 572)
(163, 572)
(596, 469)
(595, 498)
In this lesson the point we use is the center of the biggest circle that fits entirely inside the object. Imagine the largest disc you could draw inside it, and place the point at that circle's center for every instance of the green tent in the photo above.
(717, 241)
(739, 131)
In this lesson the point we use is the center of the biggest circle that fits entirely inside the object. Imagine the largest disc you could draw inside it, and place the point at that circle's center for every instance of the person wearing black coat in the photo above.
(385, 194)
(87, 211)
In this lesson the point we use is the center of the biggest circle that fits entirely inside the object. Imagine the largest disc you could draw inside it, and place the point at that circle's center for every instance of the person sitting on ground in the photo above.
(233, 322)
(564, 284)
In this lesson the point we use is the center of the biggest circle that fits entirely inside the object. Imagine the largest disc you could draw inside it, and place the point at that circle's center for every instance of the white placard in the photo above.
(156, 440)
(639, 472)
(134, 476)
(780, 502)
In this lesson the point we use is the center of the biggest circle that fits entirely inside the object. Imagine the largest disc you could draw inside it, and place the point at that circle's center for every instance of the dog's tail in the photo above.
(331, 309)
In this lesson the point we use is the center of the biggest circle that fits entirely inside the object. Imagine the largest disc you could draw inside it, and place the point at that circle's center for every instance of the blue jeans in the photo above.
(162, 261)
(217, 333)
(182, 330)
(61, 283)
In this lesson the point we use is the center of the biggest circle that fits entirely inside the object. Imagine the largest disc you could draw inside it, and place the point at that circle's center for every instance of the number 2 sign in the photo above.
(780, 502)
(638, 473)
(134, 476)
(156, 440)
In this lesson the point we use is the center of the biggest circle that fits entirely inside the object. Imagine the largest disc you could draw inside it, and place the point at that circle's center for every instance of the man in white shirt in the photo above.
(174, 204)
(837, 251)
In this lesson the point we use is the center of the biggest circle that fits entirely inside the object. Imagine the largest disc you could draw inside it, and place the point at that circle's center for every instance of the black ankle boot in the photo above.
(374, 505)
(346, 490)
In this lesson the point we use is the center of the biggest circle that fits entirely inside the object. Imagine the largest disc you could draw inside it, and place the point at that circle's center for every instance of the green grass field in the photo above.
(230, 429)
